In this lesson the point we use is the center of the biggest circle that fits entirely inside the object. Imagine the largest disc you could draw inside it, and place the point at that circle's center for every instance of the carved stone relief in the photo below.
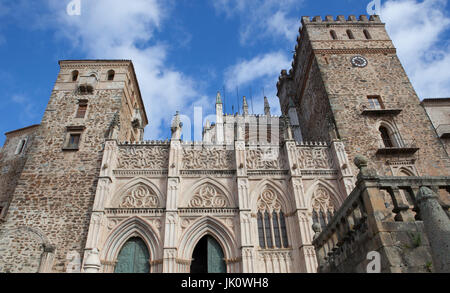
(261, 159)
(208, 196)
(154, 157)
(140, 196)
(314, 158)
(268, 201)
(207, 159)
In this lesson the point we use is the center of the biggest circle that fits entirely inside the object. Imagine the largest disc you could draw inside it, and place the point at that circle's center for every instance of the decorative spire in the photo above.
(266, 107)
(245, 106)
(176, 126)
(218, 98)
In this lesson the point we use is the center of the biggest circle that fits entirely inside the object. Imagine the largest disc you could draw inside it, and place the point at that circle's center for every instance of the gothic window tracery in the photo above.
(271, 221)
(322, 207)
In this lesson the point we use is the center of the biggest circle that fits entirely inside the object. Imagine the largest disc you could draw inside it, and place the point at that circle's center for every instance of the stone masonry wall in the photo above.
(12, 163)
(56, 189)
(347, 88)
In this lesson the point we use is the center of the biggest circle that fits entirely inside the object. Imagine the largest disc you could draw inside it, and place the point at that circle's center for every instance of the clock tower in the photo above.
(347, 83)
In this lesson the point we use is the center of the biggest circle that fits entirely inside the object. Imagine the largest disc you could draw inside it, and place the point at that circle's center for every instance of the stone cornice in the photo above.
(356, 51)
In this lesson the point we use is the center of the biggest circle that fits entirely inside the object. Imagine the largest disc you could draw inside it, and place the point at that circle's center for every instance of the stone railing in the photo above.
(383, 215)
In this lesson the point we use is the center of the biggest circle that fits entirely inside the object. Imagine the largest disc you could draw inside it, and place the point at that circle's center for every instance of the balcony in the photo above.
(443, 131)
(390, 147)
(86, 84)
(391, 109)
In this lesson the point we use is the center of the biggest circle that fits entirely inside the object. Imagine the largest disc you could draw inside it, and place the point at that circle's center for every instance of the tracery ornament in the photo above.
(272, 232)
(131, 158)
(268, 201)
(140, 196)
(208, 196)
(314, 158)
(323, 209)
(207, 159)
(261, 159)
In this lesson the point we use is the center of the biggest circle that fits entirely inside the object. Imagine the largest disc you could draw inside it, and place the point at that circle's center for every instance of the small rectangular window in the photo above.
(375, 102)
(73, 138)
(81, 112)
(74, 141)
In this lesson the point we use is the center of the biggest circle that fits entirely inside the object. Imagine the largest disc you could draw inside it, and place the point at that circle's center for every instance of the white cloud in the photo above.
(416, 29)
(263, 18)
(115, 29)
(263, 66)
(263, 71)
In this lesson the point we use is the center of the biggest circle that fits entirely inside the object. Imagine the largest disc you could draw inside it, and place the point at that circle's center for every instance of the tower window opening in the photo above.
(111, 75)
(385, 136)
(333, 35)
(81, 112)
(75, 75)
(375, 102)
(350, 34)
(21, 146)
(367, 34)
(74, 141)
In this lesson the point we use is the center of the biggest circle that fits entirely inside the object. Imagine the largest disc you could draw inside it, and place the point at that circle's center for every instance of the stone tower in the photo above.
(46, 225)
(347, 83)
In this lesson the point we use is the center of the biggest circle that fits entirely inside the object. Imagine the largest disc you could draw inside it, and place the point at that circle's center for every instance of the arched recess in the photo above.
(39, 255)
(322, 202)
(392, 132)
(335, 198)
(220, 189)
(286, 203)
(209, 226)
(132, 227)
(405, 172)
(150, 190)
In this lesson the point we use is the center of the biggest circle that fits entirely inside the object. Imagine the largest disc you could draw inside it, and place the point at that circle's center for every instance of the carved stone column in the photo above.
(171, 216)
(437, 227)
(300, 212)
(340, 158)
(104, 184)
(247, 244)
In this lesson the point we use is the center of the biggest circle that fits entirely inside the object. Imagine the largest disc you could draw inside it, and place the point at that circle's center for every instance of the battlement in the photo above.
(340, 19)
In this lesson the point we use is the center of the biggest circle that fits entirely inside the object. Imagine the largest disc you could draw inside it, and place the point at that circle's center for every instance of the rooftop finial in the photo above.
(218, 98)
(266, 107)
(245, 106)
(176, 126)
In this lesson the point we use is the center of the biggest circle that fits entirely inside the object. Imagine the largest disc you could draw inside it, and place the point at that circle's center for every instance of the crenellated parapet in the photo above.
(341, 19)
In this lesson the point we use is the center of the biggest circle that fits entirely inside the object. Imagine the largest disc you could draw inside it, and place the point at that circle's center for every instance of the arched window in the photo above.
(322, 208)
(111, 75)
(350, 34)
(75, 74)
(333, 35)
(272, 232)
(386, 137)
(133, 257)
(367, 34)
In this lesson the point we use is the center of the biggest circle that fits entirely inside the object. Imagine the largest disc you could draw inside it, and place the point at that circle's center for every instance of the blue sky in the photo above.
(184, 51)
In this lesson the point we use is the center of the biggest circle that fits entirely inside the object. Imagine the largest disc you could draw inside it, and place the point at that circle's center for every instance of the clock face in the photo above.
(359, 61)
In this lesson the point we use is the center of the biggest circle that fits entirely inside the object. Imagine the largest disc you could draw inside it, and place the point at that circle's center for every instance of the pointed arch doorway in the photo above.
(133, 257)
(208, 257)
